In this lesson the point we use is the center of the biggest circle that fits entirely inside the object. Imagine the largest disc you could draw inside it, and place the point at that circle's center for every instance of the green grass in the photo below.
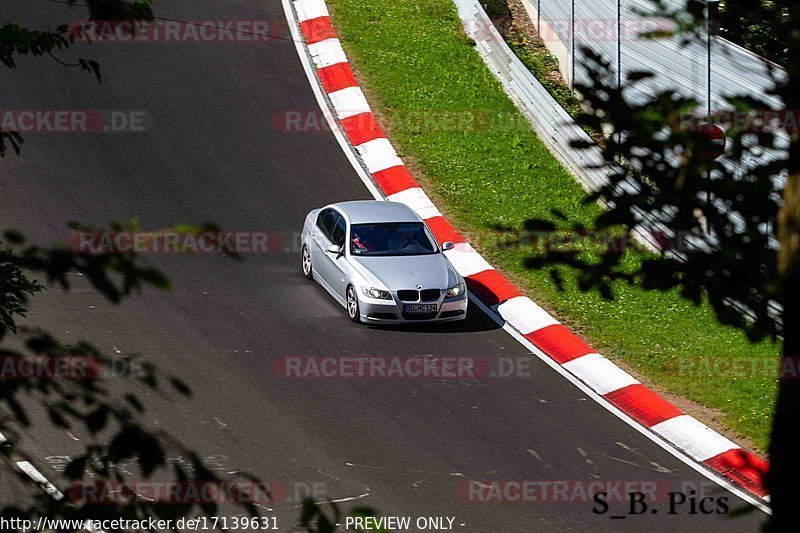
(414, 57)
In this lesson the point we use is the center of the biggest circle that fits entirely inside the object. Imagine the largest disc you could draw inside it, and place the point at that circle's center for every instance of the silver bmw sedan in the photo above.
(381, 262)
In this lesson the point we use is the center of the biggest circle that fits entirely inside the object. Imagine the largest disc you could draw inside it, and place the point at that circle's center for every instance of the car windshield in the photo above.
(406, 238)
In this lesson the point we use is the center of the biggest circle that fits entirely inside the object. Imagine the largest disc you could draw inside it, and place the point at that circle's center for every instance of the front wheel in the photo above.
(307, 270)
(352, 305)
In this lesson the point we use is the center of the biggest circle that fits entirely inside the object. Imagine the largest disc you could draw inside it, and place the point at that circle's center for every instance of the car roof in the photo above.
(371, 211)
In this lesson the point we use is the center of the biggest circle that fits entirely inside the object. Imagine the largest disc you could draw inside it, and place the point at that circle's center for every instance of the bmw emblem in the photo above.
(419, 287)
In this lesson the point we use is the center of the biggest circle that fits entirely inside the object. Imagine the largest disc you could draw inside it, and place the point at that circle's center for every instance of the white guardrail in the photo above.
(707, 70)
(556, 127)
(553, 124)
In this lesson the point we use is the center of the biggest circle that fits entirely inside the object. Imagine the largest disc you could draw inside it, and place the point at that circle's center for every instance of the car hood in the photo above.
(406, 272)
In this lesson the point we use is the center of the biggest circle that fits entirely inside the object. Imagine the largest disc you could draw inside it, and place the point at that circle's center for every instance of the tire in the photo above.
(353, 310)
(308, 270)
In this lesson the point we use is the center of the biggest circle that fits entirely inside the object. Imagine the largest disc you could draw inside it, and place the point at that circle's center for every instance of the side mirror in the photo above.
(333, 249)
(447, 245)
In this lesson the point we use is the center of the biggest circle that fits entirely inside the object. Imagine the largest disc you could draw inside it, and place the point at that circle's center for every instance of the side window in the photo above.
(339, 230)
(325, 222)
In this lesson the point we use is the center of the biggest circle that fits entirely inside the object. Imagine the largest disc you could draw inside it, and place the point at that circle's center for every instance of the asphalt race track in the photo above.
(212, 153)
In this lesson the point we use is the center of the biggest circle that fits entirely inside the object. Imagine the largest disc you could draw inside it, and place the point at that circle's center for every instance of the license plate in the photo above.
(420, 308)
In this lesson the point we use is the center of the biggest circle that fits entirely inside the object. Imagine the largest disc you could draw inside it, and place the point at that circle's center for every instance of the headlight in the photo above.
(372, 292)
(458, 290)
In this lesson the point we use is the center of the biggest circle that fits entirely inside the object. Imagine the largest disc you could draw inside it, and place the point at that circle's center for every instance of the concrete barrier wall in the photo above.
(612, 28)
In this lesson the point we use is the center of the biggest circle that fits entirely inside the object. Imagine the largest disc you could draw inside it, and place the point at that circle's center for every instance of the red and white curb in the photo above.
(354, 118)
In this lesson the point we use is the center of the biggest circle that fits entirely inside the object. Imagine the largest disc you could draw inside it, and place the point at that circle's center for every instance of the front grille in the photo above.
(419, 316)
(429, 295)
(425, 295)
(408, 296)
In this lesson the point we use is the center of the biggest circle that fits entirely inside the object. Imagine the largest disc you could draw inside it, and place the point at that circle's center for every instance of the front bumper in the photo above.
(391, 311)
